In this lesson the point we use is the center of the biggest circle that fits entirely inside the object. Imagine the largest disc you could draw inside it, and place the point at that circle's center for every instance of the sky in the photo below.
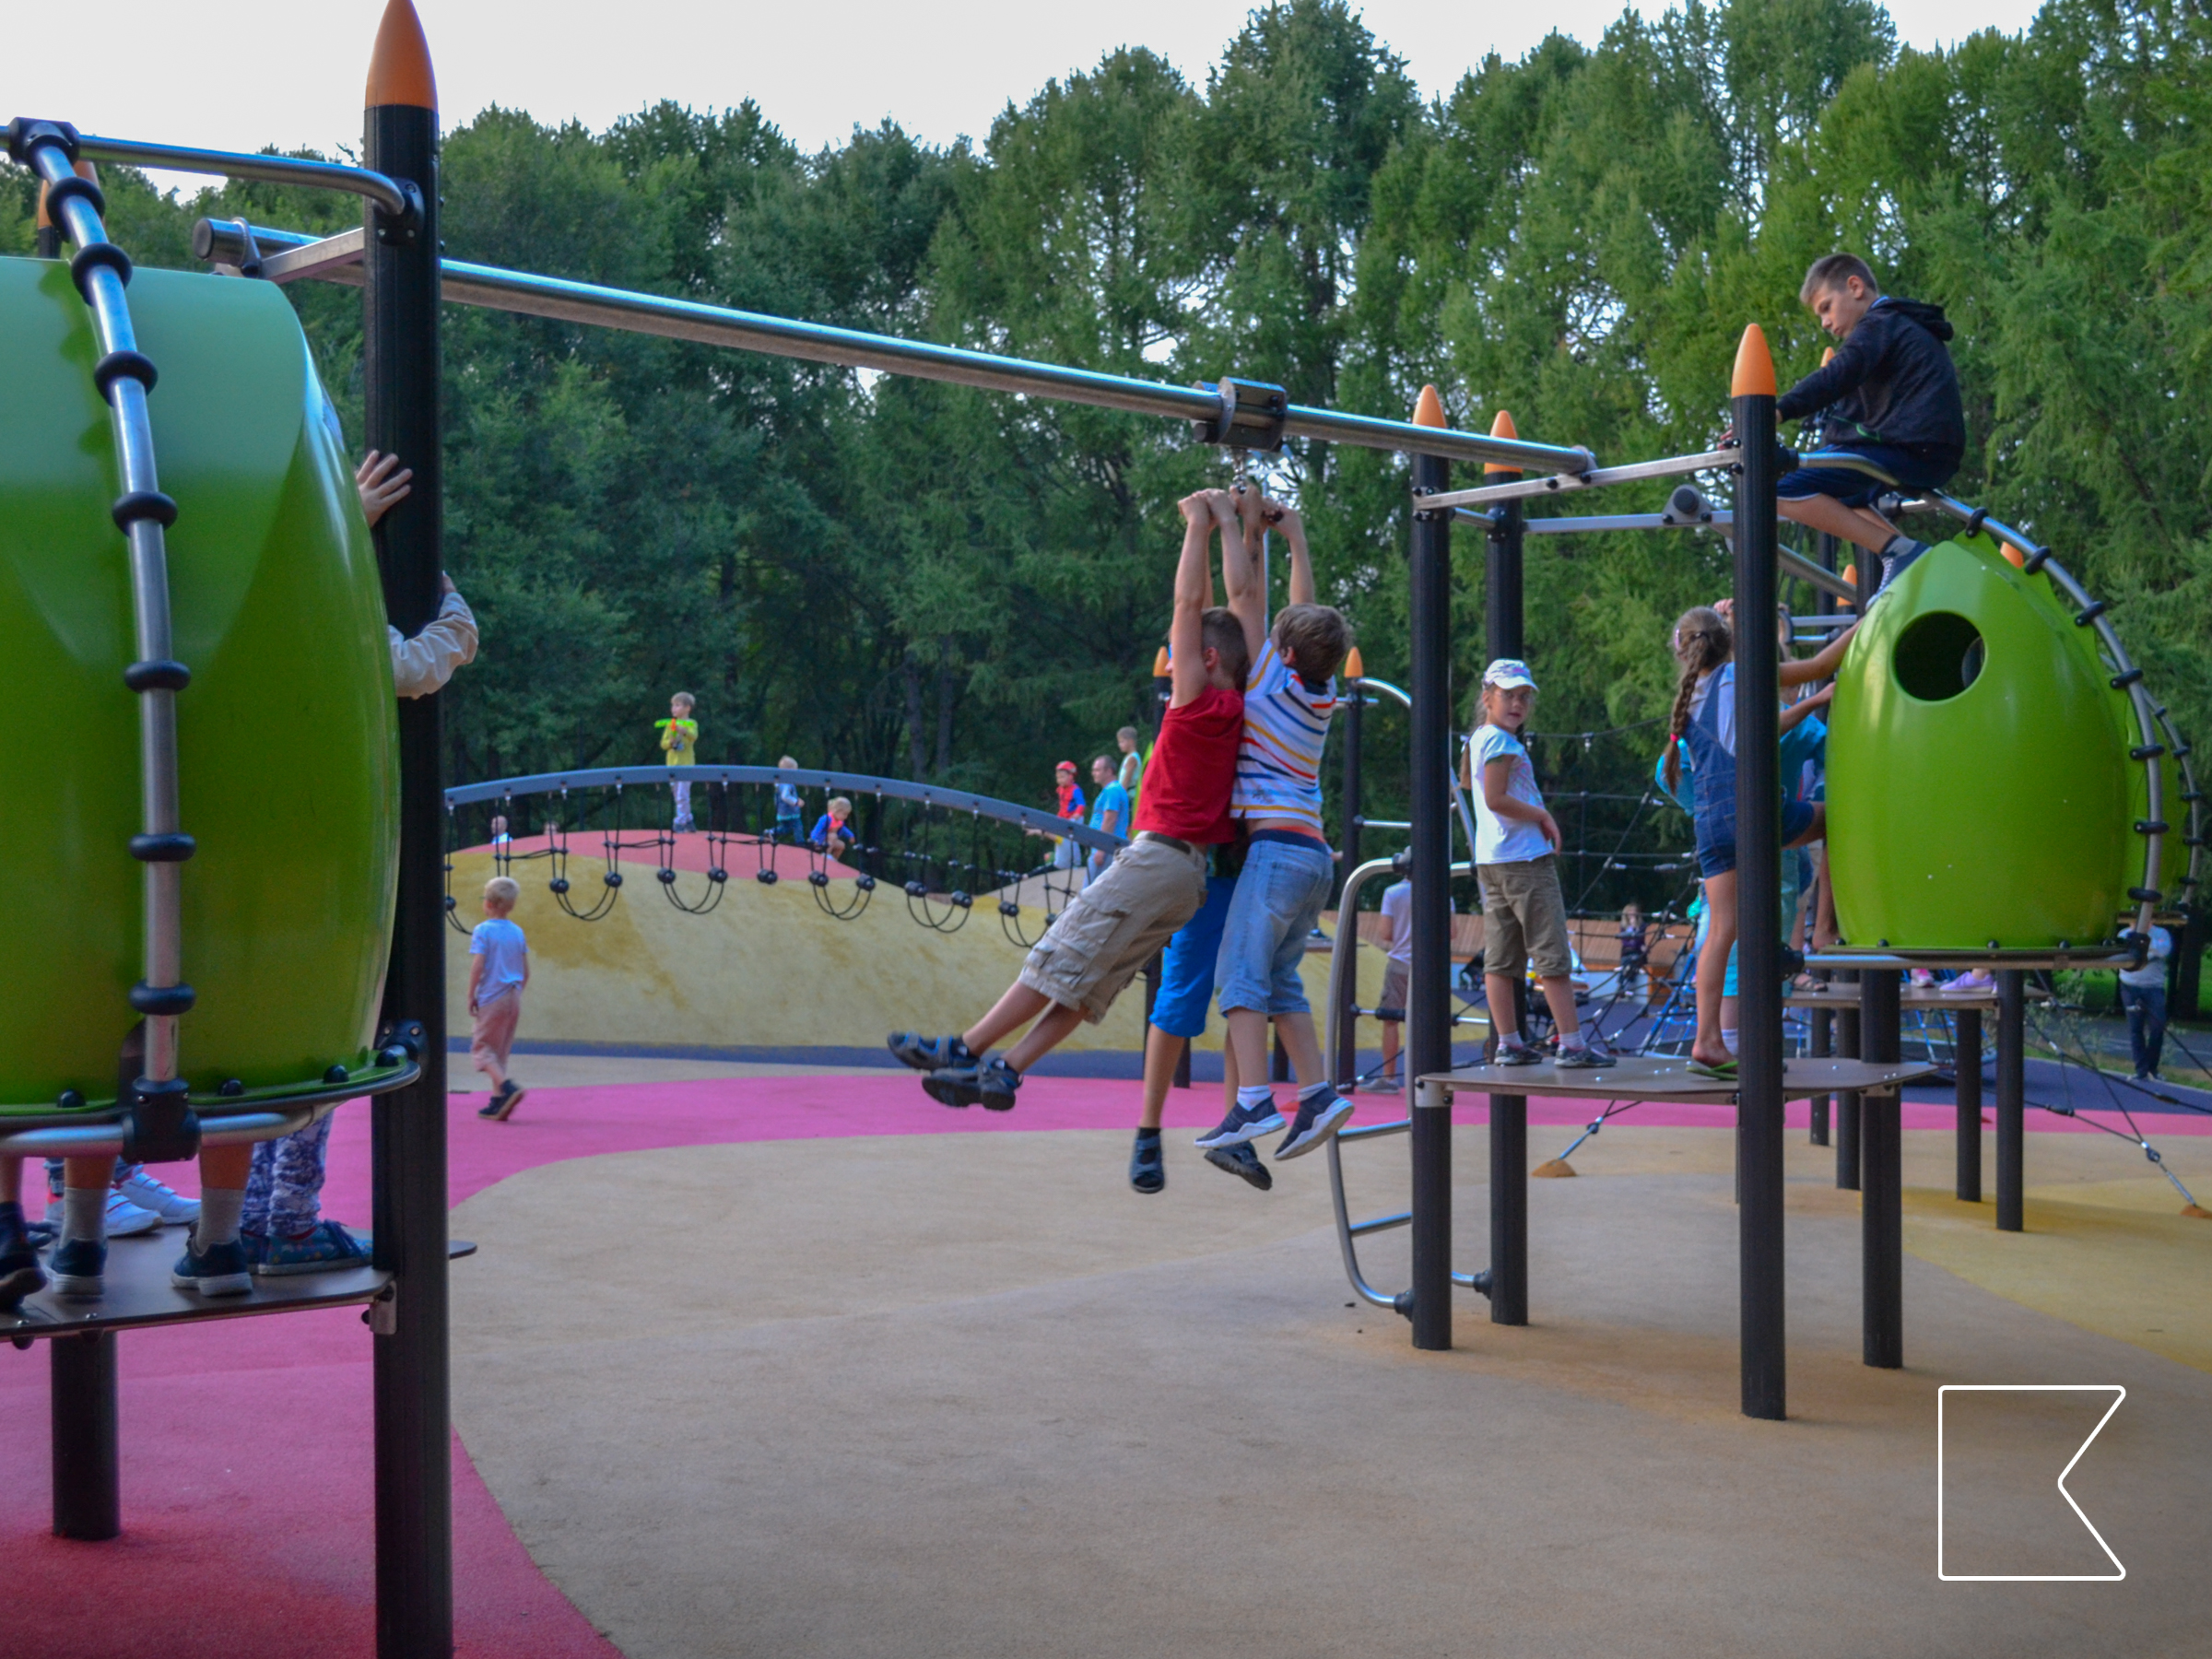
(242, 74)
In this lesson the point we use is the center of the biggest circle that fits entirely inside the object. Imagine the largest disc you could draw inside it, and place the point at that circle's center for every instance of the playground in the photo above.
(1744, 1287)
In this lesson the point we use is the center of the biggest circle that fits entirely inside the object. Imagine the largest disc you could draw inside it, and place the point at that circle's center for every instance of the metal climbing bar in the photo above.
(1591, 476)
(395, 198)
(588, 302)
(159, 1119)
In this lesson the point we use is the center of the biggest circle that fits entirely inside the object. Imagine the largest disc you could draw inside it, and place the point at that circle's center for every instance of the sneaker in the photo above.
(989, 1083)
(929, 1054)
(76, 1265)
(1244, 1123)
(504, 1100)
(1517, 1054)
(1591, 1056)
(1895, 565)
(126, 1219)
(20, 1274)
(1147, 1169)
(172, 1207)
(1240, 1159)
(219, 1270)
(323, 1247)
(1317, 1120)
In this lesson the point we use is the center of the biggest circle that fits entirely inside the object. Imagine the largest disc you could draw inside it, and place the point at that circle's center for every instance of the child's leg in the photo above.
(1861, 525)
(1009, 1014)
(1559, 996)
(1056, 1026)
(86, 1182)
(1304, 1045)
(261, 1187)
(484, 1049)
(11, 1180)
(224, 1172)
(1713, 967)
(1389, 1049)
(1497, 994)
(1163, 1054)
(297, 1168)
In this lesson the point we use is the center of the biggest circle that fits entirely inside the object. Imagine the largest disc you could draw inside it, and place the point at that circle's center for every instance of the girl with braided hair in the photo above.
(1703, 722)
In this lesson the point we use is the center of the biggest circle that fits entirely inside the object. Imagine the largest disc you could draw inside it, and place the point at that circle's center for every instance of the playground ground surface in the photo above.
(760, 1361)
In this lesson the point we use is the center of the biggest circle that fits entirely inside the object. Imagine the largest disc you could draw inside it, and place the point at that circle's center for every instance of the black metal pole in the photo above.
(1881, 1170)
(2012, 1095)
(1847, 1103)
(1428, 996)
(1504, 635)
(1759, 890)
(400, 360)
(1966, 1060)
(1822, 1044)
(87, 1471)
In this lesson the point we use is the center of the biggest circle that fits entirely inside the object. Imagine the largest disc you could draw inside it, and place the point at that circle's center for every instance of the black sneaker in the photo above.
(1895, 565)
(1317, 1120)
(20, 1275)
(929, 1054)
(78, 1266)
(1244, 1123)
(215, 1270)
(1240, 1159)
(1518, 1053)
(504, 1100)
(1591, 1055)
(990, 1085)
(1147, 1169)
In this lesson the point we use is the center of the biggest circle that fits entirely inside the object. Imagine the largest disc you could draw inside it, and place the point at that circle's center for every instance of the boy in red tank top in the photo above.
(1156, 883)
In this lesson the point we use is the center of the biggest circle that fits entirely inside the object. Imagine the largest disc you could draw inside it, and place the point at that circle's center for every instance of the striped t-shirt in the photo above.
(1279, 767)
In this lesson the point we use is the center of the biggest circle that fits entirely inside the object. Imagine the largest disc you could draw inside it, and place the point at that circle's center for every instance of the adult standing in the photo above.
(2143, 995)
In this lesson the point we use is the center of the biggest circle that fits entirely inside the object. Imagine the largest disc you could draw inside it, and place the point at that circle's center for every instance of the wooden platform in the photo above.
(138, 1293)
(1639, 1077)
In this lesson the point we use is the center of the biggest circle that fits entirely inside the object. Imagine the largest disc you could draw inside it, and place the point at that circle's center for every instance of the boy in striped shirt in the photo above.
(1288, 869)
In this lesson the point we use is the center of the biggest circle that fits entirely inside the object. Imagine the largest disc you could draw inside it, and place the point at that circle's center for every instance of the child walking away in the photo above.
(1704, 723)
(1523, 911)
(679, 739)
(499, 968)
(1891, 394)
(1156, 883)
(1288, 868)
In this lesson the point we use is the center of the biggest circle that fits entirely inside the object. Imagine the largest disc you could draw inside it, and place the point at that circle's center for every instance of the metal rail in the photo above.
(388, 193)
(1584, 478)
(856, 783)
(814, 342)
(1343, 961)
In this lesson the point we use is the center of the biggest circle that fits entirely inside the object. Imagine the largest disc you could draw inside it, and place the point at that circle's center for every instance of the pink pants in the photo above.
(492, 1040)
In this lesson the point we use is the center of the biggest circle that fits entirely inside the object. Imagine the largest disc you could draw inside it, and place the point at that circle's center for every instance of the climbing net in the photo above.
(947, 850)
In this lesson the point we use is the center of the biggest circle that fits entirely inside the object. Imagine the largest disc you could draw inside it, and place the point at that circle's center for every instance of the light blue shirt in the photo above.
(2153, 971)
(1115, 799)
(1501, 840)
(506, 955)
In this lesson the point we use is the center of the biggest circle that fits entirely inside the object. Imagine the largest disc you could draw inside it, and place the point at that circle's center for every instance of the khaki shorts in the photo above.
(1395, 977)
(1116, 926)
(1524, 919)
(493, 1039)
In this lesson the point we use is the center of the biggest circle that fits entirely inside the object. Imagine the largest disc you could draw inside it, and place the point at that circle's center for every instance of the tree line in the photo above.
(884, 575)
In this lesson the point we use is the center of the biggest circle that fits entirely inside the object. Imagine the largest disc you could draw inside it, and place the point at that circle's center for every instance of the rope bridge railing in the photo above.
(946, 850)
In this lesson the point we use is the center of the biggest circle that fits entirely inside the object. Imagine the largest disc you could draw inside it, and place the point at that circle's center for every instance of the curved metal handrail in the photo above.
(387, 193)
(927, 794)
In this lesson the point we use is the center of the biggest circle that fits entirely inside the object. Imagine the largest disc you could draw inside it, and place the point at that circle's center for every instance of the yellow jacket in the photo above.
(680, 738)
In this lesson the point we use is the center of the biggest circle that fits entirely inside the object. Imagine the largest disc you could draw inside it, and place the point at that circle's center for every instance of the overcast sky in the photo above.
(240, 73)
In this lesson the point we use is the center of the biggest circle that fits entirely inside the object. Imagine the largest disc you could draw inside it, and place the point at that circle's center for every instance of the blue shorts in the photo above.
(1913, 469)
(1279, 899)
(1186, 966)
(1716, 853)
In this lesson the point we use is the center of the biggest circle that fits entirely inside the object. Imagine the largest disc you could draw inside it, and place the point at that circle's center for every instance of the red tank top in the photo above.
(1193, 766)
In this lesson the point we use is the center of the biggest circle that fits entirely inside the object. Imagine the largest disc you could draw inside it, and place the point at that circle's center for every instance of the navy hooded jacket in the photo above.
(1891, 380)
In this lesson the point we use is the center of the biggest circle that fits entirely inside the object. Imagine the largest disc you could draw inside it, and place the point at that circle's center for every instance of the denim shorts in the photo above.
(1279, 899)
(1186, 966)
(1913, 469)
(1716, 835)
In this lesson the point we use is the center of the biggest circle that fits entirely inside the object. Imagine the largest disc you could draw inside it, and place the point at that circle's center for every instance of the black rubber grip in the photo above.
(98, 256)
(143, 504)
(2152, 826)
(74, 189)
(173, 848)
(159, 675)
(2096, 608)
(123, 365)
(163, 999)
(2146, 895)
(2122, 681)
(1973, 520)
(26, 133)
(2036, 561)
(2147, 752)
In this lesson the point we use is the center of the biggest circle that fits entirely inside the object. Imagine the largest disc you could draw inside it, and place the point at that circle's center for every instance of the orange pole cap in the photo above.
(399, 64)
(2018, 559)
(1503, 428)
(1159, 664)
(1428, 410)
(1754, 374)
(1353, 667)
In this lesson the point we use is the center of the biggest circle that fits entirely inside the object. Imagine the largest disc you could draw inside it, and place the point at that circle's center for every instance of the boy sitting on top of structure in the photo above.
(1890, 393)
(1156, 883)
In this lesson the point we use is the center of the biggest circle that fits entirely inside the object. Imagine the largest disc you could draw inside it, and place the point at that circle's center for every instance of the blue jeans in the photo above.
(2146, 1006)
(1279, 899)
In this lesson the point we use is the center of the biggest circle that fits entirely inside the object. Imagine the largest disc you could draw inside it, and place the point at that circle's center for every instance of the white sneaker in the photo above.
(174, 1207)
(124, 1219)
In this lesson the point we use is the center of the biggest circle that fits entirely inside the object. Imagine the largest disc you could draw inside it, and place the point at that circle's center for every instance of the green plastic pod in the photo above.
(287, 735)
(1979, 784)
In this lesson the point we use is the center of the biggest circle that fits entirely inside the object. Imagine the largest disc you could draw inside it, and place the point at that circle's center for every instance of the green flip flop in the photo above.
(1724, 1071)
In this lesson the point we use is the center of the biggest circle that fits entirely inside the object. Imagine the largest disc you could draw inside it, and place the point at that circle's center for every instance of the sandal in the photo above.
(1724, 1071)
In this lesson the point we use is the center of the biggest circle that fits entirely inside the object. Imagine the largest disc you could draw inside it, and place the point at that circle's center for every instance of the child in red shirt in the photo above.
(1156, 883)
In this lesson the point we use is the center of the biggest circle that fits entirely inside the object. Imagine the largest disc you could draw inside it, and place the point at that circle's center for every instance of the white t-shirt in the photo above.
(2153, 971)
(1501, 840)
(1397, 910)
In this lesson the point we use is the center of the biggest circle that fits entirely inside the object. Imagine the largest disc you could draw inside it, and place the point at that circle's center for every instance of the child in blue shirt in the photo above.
(499, 968)
(789, 809)
(833, 832)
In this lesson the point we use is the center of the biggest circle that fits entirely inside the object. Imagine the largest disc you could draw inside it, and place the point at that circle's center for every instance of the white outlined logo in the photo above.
(2119, 1571)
